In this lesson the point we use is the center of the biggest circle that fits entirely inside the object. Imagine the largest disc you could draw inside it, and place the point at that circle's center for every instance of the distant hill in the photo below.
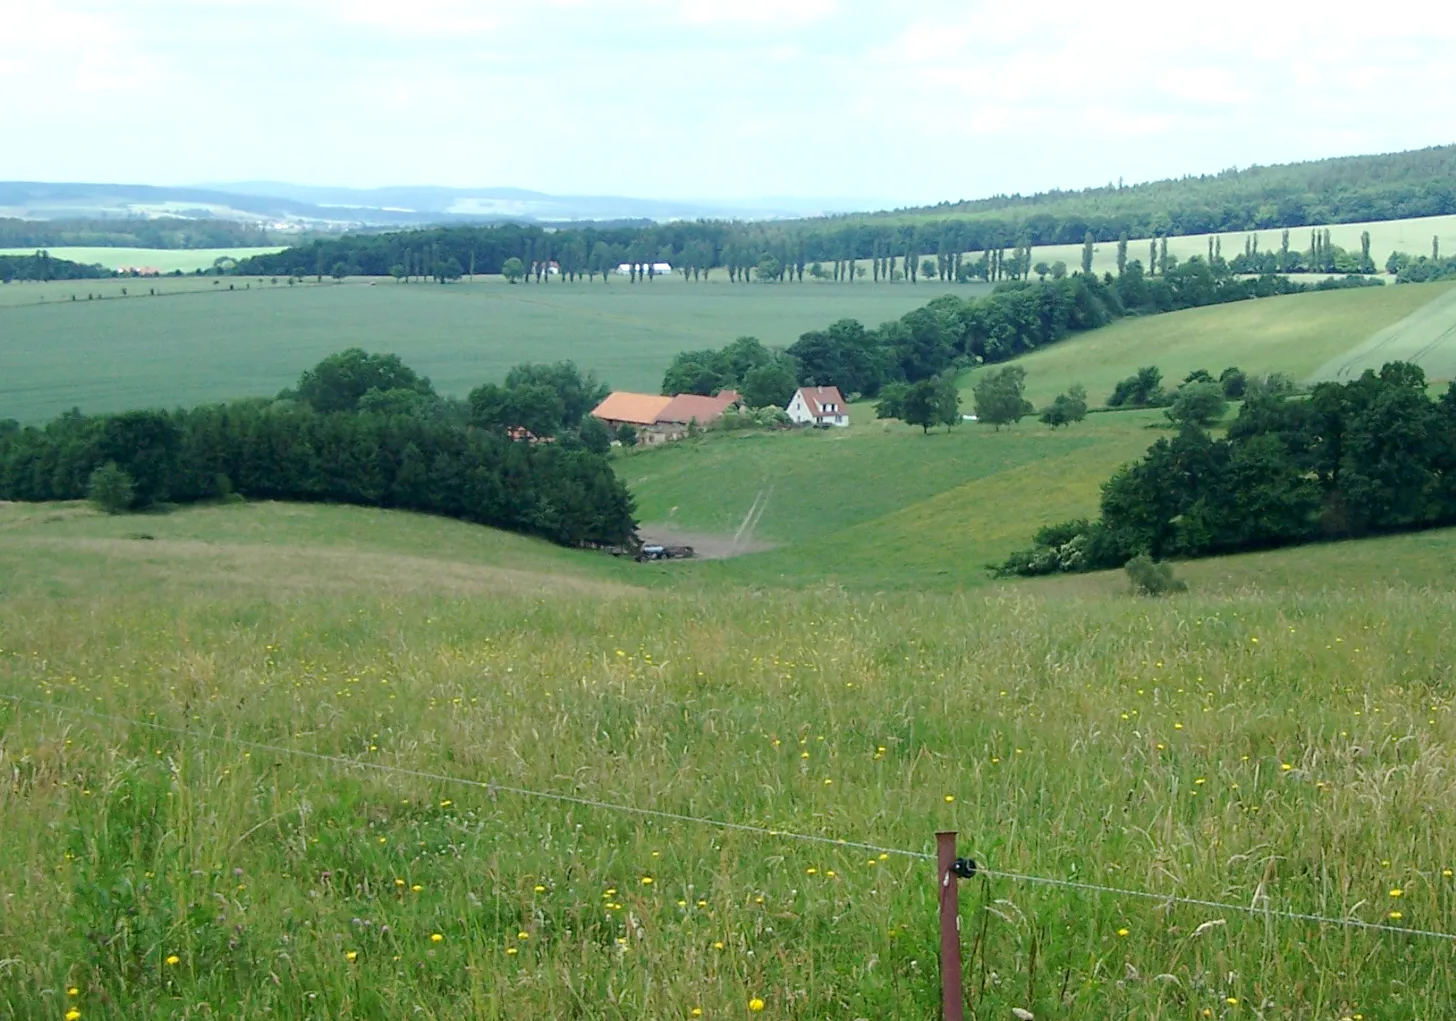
(1346, 189)
(324, 207)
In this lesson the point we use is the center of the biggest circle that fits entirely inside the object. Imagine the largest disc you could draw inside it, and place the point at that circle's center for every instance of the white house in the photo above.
(818, 405)
(659, 269)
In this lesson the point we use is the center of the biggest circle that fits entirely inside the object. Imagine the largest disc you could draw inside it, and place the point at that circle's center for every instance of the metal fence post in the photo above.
(952, 993)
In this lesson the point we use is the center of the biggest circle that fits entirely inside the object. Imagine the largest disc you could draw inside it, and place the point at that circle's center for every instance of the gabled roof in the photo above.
(815, 397)
(639, 409)
(686, 408)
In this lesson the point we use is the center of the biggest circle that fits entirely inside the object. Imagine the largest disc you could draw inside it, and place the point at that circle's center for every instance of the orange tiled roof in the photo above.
(689, 407)
(624, 406)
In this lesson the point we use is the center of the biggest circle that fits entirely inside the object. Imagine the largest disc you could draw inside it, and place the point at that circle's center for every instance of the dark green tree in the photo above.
(110, 489)
(1087, 250)
(1000, 396)
(1067, 408)
(340, 380)
(1200, 403)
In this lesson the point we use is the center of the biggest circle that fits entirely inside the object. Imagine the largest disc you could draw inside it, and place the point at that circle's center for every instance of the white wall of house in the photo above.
(800, 413)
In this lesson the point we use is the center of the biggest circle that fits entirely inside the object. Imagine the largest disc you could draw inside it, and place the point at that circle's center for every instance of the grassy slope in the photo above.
(881, 505)
(1293, 741)
(1294, 333)
(164, 259)
(197, 347)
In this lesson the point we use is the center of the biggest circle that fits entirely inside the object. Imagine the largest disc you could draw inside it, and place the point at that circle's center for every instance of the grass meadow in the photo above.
(185, 347)
(1286, 745)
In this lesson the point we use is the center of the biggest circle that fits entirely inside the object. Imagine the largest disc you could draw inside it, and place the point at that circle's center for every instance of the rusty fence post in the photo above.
(952, 993)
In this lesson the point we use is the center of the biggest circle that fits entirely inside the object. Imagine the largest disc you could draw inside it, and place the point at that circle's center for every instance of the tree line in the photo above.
(136, 232)
(910, 244)
(1375, 455)
(949, 333)
(43, 266)
(358, 429)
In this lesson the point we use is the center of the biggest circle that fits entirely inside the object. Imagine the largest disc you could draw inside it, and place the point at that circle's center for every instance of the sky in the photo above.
(898, 104)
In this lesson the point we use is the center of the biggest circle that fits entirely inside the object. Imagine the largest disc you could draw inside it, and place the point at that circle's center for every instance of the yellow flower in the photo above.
(446, 803)
(435, 937)
(718, 945)
(540, 888)
(755, 1005)
(810, 871)
(1447, 873)
(646, 880)
(173, 959)
(1177, 726)
(511, 951)
(351, 955)
(949, 798)
(696, 1012)
(1232, 1001)
(399, 882)
(1122, 932)
(416, 888)
(73, 991)
(523, 934)
(1285, 767)
(73, 1014)
(1395, 916)
(1397, 892)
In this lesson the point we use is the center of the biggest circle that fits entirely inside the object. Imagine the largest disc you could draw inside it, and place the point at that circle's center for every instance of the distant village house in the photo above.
(819, 406)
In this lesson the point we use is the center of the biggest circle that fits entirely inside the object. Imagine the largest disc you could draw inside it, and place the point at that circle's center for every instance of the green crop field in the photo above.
(1427, 337)
(164, 259)
(1297, 334)
(183, 347)
(1279, 737)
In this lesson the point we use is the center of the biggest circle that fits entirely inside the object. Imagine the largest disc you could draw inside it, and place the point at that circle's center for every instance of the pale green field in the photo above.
(1412, 236)
(1297, 334)
(164, 259)
(1427, 337)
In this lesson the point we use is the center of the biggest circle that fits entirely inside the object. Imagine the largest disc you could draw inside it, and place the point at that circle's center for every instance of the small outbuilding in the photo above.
(819, 406)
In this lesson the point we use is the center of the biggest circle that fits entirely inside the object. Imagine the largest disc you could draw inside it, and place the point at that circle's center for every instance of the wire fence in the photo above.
(1265, 911)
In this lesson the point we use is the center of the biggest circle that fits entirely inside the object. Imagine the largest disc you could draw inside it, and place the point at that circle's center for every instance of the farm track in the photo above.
(1427, 337)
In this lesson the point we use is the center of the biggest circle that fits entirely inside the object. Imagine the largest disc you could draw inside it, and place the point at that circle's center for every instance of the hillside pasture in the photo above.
(1288, 746)
(1297, 334)
(164, 259)
(256, 339)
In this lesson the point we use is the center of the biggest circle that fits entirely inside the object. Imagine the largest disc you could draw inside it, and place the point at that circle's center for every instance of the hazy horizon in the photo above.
(707, 100)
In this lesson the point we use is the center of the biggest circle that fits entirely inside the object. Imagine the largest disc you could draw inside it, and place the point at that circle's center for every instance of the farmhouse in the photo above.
(658, 419)
(819, 406)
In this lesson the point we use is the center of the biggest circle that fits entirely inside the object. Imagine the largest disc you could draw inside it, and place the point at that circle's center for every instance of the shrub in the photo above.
(1199, 404)
(1150, 578)
(111, 489)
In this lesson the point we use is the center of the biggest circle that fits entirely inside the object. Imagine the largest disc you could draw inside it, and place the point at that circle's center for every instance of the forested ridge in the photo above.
(897, 245)
(43, 266)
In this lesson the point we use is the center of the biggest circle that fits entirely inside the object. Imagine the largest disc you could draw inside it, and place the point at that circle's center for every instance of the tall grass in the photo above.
(1281, 745)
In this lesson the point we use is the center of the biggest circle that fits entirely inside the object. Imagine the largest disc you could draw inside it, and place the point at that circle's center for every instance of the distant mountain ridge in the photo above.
(323, 207)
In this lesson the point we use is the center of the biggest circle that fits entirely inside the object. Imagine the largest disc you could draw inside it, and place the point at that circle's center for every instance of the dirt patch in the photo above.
(707, 547)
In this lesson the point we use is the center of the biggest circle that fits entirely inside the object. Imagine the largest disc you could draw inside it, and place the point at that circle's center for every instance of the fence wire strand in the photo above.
(490, 786)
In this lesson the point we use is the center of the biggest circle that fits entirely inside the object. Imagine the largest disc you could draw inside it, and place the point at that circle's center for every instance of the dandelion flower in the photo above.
(949, 798)
(646, 880)
(755, 1005)
(540, 888)
(718, 945)
(810, 871)
(416, 888)
(830, 873)
(1395, 916)
(696, 1012)
(1177, 726)
(827, 781)
(1447, 873)
(511, 951)
(73, 1015)
(351, 955)
(523, 934)
(435, 937)
(1285, 767)
(1397, 892)
(1232, 1001)
(446, 803)
(1122, 932)
(399, 882)
(173, 960)
(73, 991)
